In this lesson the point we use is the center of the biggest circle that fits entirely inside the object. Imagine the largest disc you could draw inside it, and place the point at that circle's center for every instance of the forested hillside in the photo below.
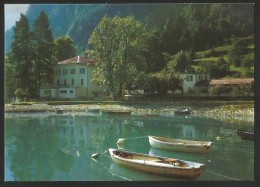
(176, 26)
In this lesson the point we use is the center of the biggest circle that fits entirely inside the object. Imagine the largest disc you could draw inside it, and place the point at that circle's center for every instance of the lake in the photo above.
(50, 147)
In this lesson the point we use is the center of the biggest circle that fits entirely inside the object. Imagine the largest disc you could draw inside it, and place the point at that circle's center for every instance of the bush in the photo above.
(214, 90)
(242, 90)
(20, 93)
(238, 49)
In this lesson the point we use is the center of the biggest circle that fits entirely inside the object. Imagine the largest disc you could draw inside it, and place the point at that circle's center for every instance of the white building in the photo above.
(72, 80)
(190, 79)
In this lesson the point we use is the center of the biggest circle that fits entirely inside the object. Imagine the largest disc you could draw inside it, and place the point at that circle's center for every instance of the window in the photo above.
(206, 77)
(200, 77)
(72, 81)
(65, 71)
(65, 82)
(82, 70)
(82, 83)
(58, 82)
(189, 78)
(63, 91)
(72, 71)
(71, 91)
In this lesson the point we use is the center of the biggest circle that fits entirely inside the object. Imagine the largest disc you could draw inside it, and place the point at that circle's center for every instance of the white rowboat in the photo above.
(180, 145)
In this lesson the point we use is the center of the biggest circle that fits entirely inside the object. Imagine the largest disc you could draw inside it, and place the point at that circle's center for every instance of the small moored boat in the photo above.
(180, 145)
(246, 135)
(59, 111)
(183, 111)
(157, 165)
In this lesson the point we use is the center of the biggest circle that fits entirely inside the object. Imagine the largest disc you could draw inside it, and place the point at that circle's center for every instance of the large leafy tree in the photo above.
(43, 47)
(118, 47)
(64, 48)
(21, 55)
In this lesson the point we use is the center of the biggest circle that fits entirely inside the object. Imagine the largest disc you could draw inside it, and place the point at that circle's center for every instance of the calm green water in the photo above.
(59, 147)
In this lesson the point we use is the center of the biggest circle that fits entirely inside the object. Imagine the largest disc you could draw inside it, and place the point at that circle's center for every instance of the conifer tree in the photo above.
(43, 47)
(21, 54)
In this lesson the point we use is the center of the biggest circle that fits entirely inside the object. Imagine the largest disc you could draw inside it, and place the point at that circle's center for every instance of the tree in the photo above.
(217, 69)
(238, 48)
(21, 53)
(118, 50)
(43, 47)
(154, 56)
(222, 66)
(180, 61)
(248, 63)
(64, 48)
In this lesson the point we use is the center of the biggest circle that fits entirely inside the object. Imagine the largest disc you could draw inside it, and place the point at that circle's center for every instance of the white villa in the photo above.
(72, 80)
(191, 79)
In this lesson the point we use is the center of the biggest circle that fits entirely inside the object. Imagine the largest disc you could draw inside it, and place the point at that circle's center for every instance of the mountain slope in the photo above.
(179, 25)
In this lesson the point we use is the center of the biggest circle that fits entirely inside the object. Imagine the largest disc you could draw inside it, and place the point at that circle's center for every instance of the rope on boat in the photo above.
(119, 176)
(222, 175)
(114, 174)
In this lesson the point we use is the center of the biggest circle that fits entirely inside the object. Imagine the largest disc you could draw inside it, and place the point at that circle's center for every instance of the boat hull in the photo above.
(246, 135)
(179, 145)
(158, 168)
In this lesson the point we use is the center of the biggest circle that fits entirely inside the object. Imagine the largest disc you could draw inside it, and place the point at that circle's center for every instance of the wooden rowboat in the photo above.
(157, 165)
(180, 145)
(246, 135)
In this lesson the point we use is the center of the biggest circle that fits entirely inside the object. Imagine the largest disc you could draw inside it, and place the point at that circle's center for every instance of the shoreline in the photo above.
(220, 110)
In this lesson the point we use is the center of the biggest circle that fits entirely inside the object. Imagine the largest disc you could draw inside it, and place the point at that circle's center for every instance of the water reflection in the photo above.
(54, 148)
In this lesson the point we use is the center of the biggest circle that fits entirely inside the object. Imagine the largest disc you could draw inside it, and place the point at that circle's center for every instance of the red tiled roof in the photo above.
(231, 81)
(78, 59)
